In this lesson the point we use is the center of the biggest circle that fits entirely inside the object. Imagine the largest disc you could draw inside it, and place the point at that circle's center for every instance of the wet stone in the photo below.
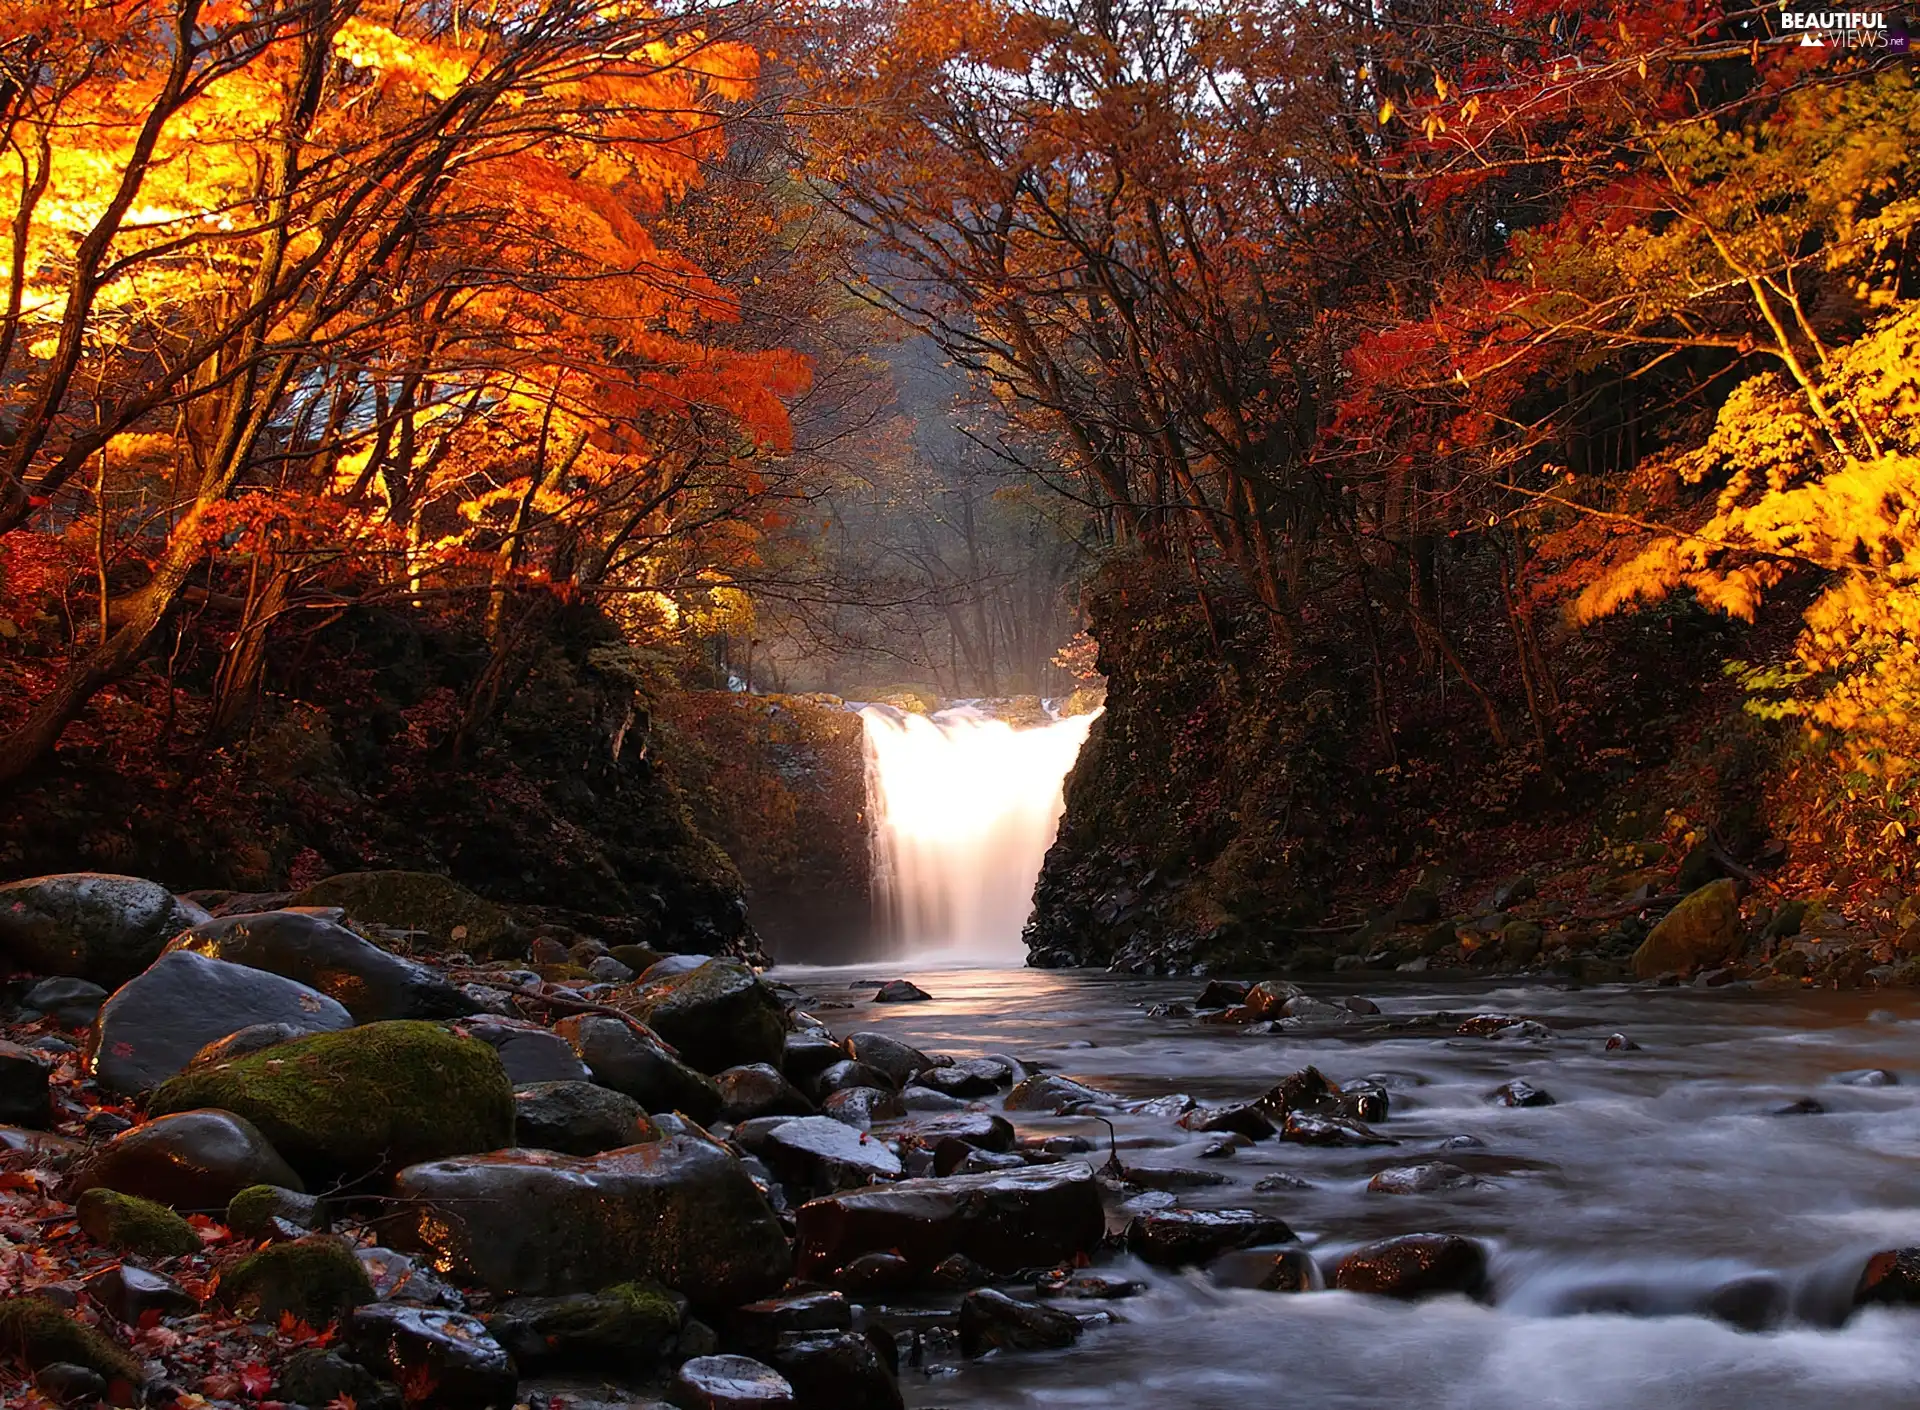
(39, 1148)
(1891, 1278)
(645, 1070)
(819, 1155)
(578, 1118)
(729, 1383)
(1006, 1221)
(980, 1129)
(1057, 1094)
(918, 1098)
(399, 1278)
(847, 1074)
(759, 1089)
(898, 1060)
(1249, 1121)
(758, 1326)
(317, 1377)
(900, 991)
(959, 1158)
(448, 1352)
(26, 1094)
(67, 1384)
(1310, 1130)
(877, 1274)
(804, 1055)
(1414, 1265)
(1222, 993)
(625, 1327)
(1621, 1043)
(1867, 1077)
(1174, 1238)
(192, 1160)
(254, 1038)
(71, 1003)
(959, 1273)
(1519, 1093)
(836, 1371)
(992, 1321)
(1430, 1178)
(968, 1077)
(1089, 1285)
(529, 1052)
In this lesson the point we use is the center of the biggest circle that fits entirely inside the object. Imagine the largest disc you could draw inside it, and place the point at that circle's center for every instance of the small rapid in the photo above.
(1683, 1227)
(963, 808)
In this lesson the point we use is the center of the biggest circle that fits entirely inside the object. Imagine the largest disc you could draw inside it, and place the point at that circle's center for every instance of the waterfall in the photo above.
(963, 808)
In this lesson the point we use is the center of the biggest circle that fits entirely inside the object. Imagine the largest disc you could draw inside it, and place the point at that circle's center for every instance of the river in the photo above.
(1661, 1175)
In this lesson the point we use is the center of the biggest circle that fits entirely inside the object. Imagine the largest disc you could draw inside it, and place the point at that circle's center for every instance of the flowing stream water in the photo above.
(1658, 1186)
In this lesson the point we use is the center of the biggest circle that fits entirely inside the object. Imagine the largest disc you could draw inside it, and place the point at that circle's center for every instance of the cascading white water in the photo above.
(963, 810)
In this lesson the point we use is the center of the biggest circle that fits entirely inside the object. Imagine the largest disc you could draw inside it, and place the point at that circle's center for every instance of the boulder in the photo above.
(1310, 1130)
(396, 1277)
(681, 1211)
(836, 1371)
(1429, 1178)
(817, 1155)
(729, 1383)
(316, 1377)
(445, 1359)
(1056, 1094)
(317, 1279)
(154, 1023)
(1415, 1265)
(760, 1326)
(529, 1052)
(860, 1107)
(273, 1211)
(969, 1077)
(1173, 1238)
(26, 1086)
(364, 979)
(1700, 932)
(1519, 1092)
(71, 1003)
(89, 925)
(255, 1037)
(38, 1332)
(1890, 1279)
(804, 1055)
(432, 906)
(718, 1015)
(578, 1118)
(758, 1089)
(900, 991)
(644, 1069)
(898, 1060)
(980, 1129)
(130, 1225)
(846, 1075)
(349, 1106)
(992, 1321)
(192, 1160)
(629, 1326)
(1005, 1220)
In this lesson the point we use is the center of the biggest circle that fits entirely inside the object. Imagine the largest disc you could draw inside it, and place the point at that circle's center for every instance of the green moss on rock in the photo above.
(444, 911)
(317, 1279)
(718, 1015)
(1703, 930)
(352, 1105)
(134, 1225)
(36, 1332)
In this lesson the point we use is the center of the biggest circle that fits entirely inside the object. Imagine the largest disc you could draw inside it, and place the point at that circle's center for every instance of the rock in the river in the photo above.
(71, 1003)
(1310, 1130)
(1006, 1221)
(760, 1326)
(992, 1321)
(1434, 1176)
(681, 1211)
(429, 905)
(980, 1129)
(129, 1293)
(39, 1333)
(860, 1107)
(89, 925)
(1415, 1265)
(626, 1061)
(316, 1279)
(1248, 1121)
(529, 1052)
(26, 1094)
(1056, 1094)
(1292, 1270)
(578, 1118)
(969, 1077)
(192, 1160)
(898, 1060)
(803, 1055)
(817, 1155)
(730, 1383)
(900, 991)
(718, 1015)
(363, 978)
(1700, 932)
(1173, 1238)
(836, 1371)
(350, 1105)
(445, 1359)
(1890, 1279)
(154, 1024)
(629, 1326)
(845, 1075)
(133, 1225)
(1519, 1092)
(759, 1089)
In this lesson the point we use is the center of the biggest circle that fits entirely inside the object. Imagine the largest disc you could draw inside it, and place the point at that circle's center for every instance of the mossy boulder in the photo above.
(719, 1015)
(626, 1325)
(317, 1279)
(350, 1106)
(447, 914)
(260, 1210)
(37, 1332)
(1703, 930)
(133, 1225)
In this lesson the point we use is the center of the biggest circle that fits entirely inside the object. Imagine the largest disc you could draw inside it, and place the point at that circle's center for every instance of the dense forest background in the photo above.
(442, 435)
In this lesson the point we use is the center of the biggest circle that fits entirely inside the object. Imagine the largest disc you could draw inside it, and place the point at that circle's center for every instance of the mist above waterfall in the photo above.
(963, 809)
